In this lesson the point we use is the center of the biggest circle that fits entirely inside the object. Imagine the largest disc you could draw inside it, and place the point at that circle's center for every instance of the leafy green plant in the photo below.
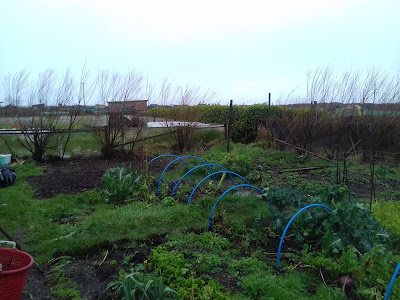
(352, 224)
(247, 265)
(233, 161)
(134, 289)
(254, 177)
(348, 223)
(283, 198)
(177, 271)
(120, 185)
(113, 263)
(330, 193)
(207, 262)
(371, 271)
(127, 260)
(168, 201)
(63, 287)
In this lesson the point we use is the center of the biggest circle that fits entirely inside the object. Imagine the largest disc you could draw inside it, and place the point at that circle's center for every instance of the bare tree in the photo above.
(38, 126)
(320, 84)
(148, 92)
(185, 116)
(14, 87)
(116, 87)
(40, 108)
(74, 98)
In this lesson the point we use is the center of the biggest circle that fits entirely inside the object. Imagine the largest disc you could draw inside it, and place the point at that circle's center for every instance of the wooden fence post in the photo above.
(229, 127)
(269, 105)
(226, 127)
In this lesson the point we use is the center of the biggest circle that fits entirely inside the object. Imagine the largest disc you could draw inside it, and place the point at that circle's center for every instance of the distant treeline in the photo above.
(307, 127)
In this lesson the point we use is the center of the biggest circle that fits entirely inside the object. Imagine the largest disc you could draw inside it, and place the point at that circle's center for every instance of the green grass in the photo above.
(83, 142)
(79, 143)
(45, 222)
(42, 220)
(387, 213)
(9, 144)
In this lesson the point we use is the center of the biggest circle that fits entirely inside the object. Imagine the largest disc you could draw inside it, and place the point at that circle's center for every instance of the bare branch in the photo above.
(14, 87)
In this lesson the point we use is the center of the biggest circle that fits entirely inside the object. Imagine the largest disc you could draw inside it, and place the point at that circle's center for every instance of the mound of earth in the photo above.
(72, 177)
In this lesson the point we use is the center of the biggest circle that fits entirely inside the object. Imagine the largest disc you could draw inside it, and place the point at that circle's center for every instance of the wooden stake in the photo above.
(229, 127)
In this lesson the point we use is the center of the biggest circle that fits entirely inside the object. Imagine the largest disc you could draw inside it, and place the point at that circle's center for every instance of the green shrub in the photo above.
(241, 164)
(244, 127)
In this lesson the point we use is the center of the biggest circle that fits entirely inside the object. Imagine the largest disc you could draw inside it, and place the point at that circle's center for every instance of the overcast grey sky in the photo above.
(240, 49)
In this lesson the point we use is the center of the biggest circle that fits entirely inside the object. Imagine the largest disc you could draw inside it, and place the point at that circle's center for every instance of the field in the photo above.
(85, 144)
(112, 237)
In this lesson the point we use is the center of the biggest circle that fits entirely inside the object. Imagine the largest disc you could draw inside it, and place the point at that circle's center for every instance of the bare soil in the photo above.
(92, 273)
(73, 177)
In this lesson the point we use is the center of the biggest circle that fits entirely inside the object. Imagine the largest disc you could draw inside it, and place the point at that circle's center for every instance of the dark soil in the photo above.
(77, 176)
(94, 272)
(73, 177)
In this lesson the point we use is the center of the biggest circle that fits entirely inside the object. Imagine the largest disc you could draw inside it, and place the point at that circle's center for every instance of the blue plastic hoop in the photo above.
(228, 190)
(190, 171)
(164, 155)
(169, 155)
(287, 227)
(179, 158)
(392, 282)
(205, 178)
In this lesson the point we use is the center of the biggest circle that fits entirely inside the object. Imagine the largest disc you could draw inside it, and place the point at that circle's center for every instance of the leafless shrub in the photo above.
(122, 87)
(343, 109)
(185, 118)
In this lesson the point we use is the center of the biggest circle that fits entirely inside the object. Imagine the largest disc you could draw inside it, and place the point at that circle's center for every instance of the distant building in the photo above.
(101, 109)
(38, 106)
(128, 107)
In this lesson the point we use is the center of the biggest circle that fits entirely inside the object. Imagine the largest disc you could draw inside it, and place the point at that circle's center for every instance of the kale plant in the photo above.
(120, 185)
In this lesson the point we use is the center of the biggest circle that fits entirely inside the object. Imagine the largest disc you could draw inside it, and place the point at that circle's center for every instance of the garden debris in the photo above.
(304, 169)
(7, 176)
(304, 150)
(104, 259)
(64, 237)
(18, 161)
